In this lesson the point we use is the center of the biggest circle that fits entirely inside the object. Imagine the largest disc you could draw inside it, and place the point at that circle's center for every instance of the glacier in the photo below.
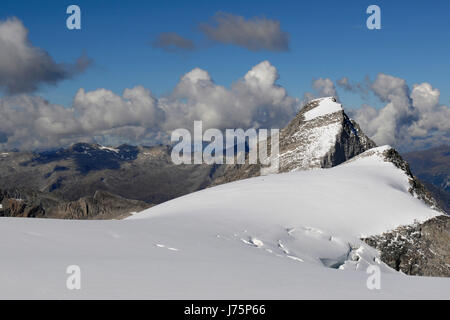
(293, 235)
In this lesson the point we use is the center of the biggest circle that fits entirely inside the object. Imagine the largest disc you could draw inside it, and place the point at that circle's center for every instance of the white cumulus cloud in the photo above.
(138, 117)
(411, 118)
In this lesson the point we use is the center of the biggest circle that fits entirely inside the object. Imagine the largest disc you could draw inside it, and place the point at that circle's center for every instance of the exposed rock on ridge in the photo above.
(326, 139)
(420, 249)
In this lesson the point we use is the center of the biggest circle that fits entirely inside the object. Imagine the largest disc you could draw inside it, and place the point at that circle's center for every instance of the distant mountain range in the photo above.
(50, 184)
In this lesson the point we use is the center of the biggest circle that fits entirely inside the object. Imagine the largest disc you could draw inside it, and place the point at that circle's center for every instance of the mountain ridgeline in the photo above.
(432, 167)
(320, 136)
(90, 181)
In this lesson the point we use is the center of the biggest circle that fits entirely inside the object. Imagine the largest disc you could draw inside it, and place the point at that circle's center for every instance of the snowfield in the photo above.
(287, 236)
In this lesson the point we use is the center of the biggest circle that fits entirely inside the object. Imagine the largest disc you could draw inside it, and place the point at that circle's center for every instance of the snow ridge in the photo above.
(326, 106)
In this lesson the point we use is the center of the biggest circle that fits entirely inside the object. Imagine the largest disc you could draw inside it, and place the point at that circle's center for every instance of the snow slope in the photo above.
(326, 106)
(280, 236)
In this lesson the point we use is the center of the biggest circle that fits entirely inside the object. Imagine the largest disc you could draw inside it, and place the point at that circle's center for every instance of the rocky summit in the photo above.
(320, 136)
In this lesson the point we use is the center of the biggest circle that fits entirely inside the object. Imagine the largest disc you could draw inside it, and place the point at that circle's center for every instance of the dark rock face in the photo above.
(21, 208)
(103, 205)
(24, 204)
(432, 167)
(350, 142)
(441, 196)
(417, 188)
(420, 249)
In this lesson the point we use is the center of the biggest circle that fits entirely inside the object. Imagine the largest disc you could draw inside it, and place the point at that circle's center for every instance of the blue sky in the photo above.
(327, 39)
(133, 91)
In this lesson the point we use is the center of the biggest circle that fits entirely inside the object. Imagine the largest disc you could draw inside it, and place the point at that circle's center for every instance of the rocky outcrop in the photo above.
(20, 208)
(417, 189)
(17, 203)
(432, 167)
(420, 249)
(441, 196)
(103, 205)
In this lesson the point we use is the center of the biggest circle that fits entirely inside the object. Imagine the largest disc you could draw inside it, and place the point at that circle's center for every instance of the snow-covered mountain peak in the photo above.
(322, 107)
(321, 136)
